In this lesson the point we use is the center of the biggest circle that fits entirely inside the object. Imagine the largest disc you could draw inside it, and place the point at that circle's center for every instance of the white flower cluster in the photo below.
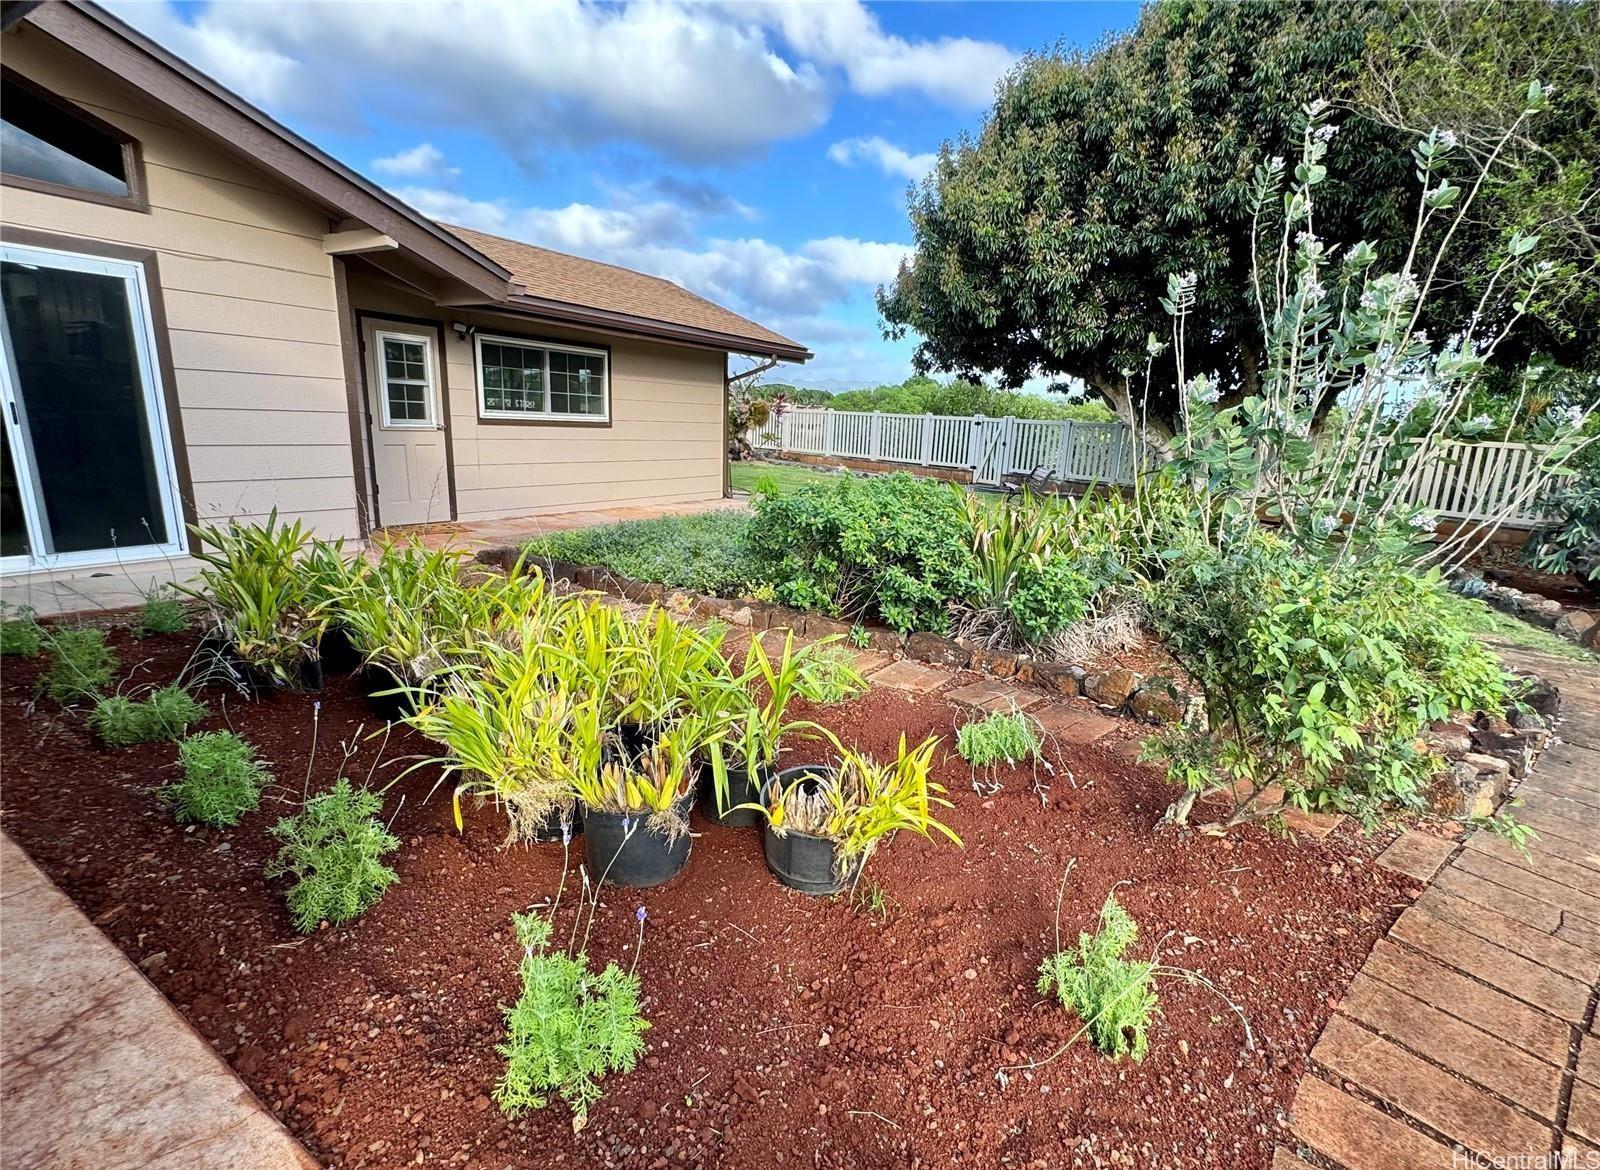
(1313, 289)
(1447, 138)
(1325, 133)
(1306, 239)
(1326, 524)
(1480, 421)
(1425, 522)
(1573, 415)
(1407, 286)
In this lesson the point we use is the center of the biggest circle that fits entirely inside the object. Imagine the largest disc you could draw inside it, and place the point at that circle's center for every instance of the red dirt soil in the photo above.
(786, 1030)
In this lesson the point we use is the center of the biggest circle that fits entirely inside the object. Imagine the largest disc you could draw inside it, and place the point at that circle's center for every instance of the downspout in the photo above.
(728, 379)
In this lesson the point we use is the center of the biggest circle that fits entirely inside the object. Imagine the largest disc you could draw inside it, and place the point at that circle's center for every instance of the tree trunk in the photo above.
(1122, 398)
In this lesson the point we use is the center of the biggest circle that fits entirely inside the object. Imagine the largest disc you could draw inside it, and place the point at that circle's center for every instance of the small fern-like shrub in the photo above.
(222, 780)
(334, 849)
(569, 1028)
(81, 664)
(1004, 737)
(1113, 996)
(166, 714)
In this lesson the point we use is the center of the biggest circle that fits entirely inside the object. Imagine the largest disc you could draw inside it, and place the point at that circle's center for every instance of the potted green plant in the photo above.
(265, 623)
(743, 760)
(824, 823)
(636, 813)
(506, 730)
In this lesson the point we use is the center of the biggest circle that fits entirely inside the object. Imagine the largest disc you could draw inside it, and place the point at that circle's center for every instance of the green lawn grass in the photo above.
(747, 474)
(704, 551)
(1480, 616)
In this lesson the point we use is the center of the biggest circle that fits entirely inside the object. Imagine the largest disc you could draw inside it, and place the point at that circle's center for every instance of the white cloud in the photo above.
(954, 71)
(423, 161)
(699, 82)
(751, 275)
(883, 154)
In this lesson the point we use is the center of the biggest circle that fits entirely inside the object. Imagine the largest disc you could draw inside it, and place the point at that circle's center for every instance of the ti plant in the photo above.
(860, 802)
(334, 849)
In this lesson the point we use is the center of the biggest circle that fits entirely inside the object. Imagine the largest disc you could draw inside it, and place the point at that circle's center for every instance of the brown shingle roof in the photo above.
(556, 276)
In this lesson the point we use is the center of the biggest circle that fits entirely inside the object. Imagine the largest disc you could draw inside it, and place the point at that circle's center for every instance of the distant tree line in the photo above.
(924, 395)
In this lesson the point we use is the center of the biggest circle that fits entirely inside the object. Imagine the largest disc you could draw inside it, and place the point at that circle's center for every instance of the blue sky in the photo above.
(757, 153)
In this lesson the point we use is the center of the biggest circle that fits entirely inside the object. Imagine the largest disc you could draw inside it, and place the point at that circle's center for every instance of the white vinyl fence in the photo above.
(1464, 481)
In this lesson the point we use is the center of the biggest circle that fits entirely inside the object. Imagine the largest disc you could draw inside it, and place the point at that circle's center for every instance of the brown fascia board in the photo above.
(614, 322)
(235, 123)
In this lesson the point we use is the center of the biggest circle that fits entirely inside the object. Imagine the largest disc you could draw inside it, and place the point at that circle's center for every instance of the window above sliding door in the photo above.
(88, 466)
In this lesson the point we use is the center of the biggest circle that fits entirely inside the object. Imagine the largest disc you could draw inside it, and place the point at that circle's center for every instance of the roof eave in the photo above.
(234, 122)
(612, 321)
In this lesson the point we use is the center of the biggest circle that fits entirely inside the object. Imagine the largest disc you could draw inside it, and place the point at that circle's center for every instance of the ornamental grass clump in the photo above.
(80, 664)
(571, 1026)
(334, 849)
(222, 780)
(166, 714)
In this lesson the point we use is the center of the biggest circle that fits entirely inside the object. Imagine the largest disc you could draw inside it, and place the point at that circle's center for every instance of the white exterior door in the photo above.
(409, 466)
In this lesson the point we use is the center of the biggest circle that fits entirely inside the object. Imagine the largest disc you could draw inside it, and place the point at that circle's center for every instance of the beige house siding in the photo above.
(664, 444)
(249, 299)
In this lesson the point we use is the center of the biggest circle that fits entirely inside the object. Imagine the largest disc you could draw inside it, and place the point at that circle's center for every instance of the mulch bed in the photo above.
(786, 1031)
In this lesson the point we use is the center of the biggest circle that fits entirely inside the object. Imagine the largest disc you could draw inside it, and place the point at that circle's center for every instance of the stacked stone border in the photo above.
(1574, 623)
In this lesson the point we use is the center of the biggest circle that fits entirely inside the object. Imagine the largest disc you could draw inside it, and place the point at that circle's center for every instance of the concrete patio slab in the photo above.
(97, 1069)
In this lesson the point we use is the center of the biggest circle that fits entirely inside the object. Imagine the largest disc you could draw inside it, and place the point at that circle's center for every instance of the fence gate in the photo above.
(990, 450)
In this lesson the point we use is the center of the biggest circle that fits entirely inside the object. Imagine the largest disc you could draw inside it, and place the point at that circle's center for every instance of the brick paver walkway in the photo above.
(1468, 1038)
(97, 1070)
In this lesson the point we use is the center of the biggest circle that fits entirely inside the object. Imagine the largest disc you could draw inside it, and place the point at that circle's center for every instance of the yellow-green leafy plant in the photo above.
(259, 595)
(505, 729)
(406, 611)
(861, 801)
(757, 718)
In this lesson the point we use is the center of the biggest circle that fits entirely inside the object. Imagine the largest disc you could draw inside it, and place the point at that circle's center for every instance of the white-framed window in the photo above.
(535, 381)
(89, 474)
(405, 379)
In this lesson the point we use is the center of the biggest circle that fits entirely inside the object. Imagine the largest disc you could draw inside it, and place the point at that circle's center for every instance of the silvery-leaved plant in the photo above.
(1342, 336)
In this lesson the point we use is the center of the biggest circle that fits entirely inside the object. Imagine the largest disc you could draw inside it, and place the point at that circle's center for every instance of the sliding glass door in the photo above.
(88, 473)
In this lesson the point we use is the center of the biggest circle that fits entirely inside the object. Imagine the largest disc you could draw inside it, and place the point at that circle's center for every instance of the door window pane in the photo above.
(405, 381)
(44, 141)
(72, 340)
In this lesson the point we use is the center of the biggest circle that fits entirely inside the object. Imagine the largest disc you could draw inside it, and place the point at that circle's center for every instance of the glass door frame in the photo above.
(132, 273)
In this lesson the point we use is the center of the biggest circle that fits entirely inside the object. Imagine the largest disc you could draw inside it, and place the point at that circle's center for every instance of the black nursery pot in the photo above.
(799, 860)
(633, 742)
(549, 829)
(742, 789)
(337, 652)
(305, 675)
(643, 858)
(380, 683)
